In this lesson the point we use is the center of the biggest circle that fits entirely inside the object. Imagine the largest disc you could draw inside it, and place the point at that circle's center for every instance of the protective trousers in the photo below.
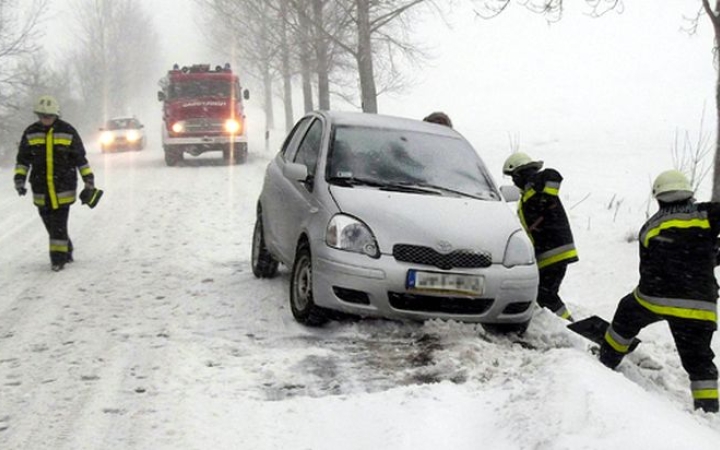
(551, 278)
(692, 339)
(56, 224)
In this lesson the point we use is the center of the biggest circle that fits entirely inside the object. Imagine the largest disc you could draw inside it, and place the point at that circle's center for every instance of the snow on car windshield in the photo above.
(409, 157)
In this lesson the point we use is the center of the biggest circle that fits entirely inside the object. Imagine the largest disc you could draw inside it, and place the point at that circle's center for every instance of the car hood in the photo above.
(430, 220)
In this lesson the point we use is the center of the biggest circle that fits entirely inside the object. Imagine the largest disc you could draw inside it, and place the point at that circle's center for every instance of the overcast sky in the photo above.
(622, 81)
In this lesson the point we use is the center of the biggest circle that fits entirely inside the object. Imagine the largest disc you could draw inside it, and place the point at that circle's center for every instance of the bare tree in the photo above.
(378, 33)
(254, 30)
(19, 33)
(714, 14)
(115, 55)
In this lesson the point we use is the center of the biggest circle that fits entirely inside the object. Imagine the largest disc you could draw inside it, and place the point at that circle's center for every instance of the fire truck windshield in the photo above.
(200, 88)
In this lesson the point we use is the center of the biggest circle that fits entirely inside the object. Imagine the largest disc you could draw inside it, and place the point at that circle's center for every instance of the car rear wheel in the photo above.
(302, 304)
(263, 263)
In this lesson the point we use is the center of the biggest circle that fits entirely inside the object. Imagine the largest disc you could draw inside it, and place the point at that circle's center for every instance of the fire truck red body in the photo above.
(202, 112)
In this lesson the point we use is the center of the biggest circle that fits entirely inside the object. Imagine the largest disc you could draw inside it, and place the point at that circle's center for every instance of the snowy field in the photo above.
(159, 337)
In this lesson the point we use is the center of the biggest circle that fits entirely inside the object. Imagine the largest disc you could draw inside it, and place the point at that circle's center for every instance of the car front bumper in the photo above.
(357, 284)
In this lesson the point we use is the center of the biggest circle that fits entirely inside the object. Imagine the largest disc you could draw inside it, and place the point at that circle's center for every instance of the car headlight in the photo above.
(348, 233)
(233, 126)
(107, 138)
(519, 250)
(178, 127)
(132, 136)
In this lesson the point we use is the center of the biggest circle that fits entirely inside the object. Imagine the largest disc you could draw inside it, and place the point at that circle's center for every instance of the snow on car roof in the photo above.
(385, 121)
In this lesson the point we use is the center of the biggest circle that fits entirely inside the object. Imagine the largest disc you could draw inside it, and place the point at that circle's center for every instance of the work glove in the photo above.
(20, 188)
(90, 196)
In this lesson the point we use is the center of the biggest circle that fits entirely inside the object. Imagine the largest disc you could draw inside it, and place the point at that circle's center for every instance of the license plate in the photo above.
(418, 280)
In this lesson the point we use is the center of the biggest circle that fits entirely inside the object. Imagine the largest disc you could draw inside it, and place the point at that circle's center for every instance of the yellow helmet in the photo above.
(519, 160)
(672, 186)
(47, 104)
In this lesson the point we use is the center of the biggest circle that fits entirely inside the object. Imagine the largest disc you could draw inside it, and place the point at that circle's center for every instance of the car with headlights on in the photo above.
(382, 216)
(122, 133)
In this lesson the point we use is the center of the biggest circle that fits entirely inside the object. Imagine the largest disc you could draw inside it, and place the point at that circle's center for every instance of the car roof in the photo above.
(370, 120)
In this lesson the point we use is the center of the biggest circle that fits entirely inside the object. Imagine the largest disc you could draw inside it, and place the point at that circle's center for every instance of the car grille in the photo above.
(425, 255)
(204, 125)
(432, 304)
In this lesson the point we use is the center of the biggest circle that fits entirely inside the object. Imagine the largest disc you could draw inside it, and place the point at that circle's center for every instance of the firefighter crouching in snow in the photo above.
(677, 284)
(51, 152)
(546, 223)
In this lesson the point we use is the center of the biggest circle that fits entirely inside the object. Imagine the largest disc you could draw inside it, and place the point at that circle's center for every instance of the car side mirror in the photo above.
(510, 193)
(161, 96)
(246, 94)
(295, 172)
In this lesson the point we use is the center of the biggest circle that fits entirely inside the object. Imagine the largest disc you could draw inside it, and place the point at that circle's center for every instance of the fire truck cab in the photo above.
(202, 112)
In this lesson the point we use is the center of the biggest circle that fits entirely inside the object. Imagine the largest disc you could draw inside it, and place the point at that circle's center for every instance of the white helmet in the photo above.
(519, 160)
(672, 186)
(47, 104)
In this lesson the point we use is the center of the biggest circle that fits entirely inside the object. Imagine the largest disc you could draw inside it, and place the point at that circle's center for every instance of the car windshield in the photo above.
(121, 124)
(200, 88)
(402, 159)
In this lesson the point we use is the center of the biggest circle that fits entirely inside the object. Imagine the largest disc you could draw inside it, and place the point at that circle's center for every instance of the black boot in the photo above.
(609, 357)
(709, 405)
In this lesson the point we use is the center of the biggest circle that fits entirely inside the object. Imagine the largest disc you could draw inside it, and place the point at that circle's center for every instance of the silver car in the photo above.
(390, 217)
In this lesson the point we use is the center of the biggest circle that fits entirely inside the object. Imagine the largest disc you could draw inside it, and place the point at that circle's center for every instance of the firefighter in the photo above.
(439, 118)
(677, 284)
(546, 223)
(51, 152)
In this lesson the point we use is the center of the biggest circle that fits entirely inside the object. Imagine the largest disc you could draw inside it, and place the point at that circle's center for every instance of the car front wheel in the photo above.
(263, 263)
(302, 304)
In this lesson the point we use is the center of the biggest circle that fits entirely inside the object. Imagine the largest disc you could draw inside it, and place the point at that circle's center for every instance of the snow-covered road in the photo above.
(159, 337)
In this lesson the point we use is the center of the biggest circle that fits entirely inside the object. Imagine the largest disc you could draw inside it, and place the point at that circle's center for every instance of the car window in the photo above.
(409, 158)
(289, 147)
(309, 148)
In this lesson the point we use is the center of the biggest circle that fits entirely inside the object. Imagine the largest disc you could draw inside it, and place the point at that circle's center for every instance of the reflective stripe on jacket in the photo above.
(542, 215)
(677, 261)
(51, 157)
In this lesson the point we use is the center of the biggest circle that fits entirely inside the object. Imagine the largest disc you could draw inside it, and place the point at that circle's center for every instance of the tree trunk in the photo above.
(713, 15)
(268, 97)
(286, 70)
(321, 54)
(716, 166)
(305, 58)
(368, 90)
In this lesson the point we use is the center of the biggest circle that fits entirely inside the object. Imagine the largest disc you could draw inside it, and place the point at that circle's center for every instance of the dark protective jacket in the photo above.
(51, 156)
(543, 217)
(677, 261)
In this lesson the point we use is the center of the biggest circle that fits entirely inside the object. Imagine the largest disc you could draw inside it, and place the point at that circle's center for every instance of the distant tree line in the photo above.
(110, 59)
(351, 49)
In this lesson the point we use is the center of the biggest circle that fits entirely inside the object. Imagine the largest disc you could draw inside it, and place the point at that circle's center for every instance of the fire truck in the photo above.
(203, 112)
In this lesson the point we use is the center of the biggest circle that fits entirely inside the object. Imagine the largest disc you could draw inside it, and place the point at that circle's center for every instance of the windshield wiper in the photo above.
(382, 185)
(453, 191)
(355, 181)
